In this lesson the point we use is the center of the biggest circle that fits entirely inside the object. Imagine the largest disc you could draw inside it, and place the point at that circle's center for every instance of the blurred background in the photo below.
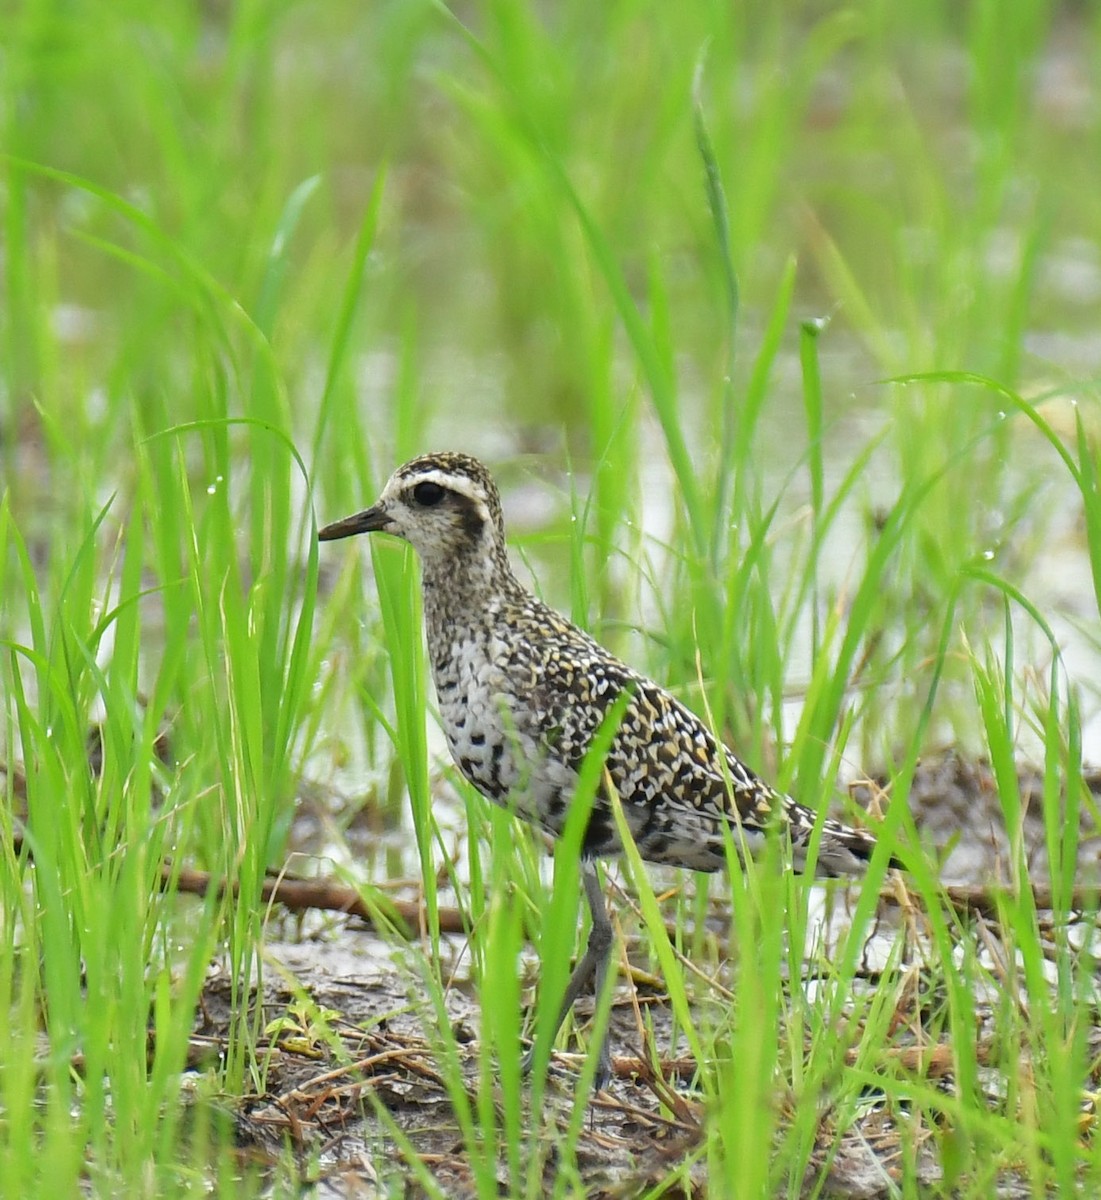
(930, 171)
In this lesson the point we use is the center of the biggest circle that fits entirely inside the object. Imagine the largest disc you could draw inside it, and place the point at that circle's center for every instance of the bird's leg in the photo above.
(593, 965)
(601, 937)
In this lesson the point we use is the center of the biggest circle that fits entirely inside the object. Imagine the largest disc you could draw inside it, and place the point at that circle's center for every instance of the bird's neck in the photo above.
(465, 590)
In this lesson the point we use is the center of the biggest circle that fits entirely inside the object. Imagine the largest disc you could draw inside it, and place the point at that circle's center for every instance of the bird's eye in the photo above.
(428, 493)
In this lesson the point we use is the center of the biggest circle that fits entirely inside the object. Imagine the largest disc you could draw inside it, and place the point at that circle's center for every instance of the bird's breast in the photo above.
(472, 689)
(485, 697)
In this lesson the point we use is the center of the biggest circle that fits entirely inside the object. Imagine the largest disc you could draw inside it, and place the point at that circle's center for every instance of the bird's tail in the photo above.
(842, 850)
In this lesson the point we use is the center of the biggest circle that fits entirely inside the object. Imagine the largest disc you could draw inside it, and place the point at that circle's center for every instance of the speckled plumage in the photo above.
(522, 692)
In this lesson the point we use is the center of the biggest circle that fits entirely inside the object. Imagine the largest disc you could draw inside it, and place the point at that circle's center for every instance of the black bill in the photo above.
(369, 521)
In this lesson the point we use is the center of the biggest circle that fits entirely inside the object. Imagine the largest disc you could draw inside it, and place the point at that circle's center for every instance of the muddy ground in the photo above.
(335, 1093)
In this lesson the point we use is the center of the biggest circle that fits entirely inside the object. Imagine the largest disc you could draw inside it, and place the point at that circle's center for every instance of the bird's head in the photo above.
(446, 506)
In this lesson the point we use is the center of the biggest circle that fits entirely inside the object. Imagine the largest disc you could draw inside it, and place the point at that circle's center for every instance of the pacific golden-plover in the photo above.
(522, 692)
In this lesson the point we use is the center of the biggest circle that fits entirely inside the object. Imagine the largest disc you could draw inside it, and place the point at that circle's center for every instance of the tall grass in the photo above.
(253, 257)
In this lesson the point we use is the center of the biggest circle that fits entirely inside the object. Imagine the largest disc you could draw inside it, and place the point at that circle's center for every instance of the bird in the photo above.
(522, 692)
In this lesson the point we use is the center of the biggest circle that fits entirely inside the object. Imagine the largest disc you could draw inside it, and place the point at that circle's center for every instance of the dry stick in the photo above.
(985, 900)
(933, 1061)
(299, 895)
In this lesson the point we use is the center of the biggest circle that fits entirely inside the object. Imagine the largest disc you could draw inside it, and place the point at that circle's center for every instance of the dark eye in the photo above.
(428, 493)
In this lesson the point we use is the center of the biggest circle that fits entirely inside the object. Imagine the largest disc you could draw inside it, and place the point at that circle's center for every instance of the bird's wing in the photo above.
(681, 788)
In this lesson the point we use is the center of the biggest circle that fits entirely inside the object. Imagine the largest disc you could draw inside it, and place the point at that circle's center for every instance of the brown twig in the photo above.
(301, 895)
(985, 900)
(934, 1061)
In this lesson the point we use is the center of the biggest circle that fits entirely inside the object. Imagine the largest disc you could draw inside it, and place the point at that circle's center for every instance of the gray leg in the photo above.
(593, 965)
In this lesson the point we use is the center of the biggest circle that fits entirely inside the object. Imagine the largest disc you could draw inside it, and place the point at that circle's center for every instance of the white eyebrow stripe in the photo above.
(454, 483)
(462, 485)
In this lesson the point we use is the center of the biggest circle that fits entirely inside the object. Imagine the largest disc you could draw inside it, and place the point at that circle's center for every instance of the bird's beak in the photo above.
(369, 521)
